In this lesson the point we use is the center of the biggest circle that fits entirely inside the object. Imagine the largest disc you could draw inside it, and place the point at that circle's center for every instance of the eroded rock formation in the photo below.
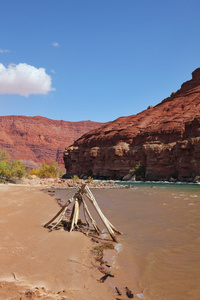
(165, 139)
(37, 139)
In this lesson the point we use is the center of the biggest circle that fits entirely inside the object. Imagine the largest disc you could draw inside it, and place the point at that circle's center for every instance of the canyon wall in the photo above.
(164, 140)
(34, 140)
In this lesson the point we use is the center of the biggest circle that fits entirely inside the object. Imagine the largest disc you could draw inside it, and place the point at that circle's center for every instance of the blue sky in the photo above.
(94, 60)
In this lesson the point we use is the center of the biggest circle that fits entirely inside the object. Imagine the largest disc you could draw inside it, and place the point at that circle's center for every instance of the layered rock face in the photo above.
(165, 139)
(37, 139)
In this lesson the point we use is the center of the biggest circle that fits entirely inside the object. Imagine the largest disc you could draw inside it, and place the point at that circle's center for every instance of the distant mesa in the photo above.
(160, 143)
(34, 140)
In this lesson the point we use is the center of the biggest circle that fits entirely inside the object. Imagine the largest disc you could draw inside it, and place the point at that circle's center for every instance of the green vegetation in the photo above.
(99, 250)
(139, 170)
(75, 178)
(4, 155)
(90, 179)
(11, 171)
(47, 171)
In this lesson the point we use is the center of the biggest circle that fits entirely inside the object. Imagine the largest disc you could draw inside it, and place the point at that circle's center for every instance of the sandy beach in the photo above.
(158, 258)
(37, 264)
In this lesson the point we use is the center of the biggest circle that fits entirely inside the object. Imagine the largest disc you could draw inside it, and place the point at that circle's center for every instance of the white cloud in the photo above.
(55, 44)
(4, 51)
(23, 79)
(53, 71)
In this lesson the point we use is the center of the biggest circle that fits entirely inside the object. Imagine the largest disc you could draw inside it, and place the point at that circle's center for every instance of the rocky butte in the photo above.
(164, 141)
(34, 140)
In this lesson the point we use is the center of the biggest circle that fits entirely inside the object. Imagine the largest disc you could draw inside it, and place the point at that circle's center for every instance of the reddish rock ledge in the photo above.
(165, 139)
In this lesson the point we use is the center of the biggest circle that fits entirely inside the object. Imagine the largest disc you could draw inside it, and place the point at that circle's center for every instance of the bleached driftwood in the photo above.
(61, 211)
(108, 225)
(87, 212)
(78, 200)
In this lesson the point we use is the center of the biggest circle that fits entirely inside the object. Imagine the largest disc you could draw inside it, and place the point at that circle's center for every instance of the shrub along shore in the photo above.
(45, 175)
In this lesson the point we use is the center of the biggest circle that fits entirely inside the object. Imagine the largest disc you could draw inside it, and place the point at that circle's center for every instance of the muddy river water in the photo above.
(159, 252)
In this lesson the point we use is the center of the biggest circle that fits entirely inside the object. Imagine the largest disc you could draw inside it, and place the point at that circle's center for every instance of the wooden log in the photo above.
(60, 219)
(72, 213)
(111, 225)
(60, 211)
(90, 217)
(86, 216)
(90, 196)
(77, 196)
(75, 211)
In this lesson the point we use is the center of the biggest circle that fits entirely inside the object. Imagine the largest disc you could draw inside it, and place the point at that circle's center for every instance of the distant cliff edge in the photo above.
(163, 142)
(34, 140)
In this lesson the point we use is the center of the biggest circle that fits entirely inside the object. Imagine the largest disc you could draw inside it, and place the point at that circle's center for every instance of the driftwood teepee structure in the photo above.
(78, 200)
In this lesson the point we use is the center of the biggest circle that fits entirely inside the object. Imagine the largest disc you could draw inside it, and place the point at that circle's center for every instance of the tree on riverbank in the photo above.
(47, 171)
(10, 170)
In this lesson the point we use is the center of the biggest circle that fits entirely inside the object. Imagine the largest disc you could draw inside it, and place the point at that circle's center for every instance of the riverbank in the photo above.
(38, 264)
(68, 183)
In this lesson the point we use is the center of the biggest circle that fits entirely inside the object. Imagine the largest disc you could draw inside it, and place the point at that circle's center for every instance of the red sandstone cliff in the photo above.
(165, 139)
(38, 139)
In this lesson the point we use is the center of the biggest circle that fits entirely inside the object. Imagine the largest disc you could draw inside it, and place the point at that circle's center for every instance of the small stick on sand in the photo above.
(102, 279)
(14, 276)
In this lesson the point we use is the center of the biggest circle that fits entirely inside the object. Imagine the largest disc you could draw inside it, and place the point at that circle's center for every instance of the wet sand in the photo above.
(36, 264)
